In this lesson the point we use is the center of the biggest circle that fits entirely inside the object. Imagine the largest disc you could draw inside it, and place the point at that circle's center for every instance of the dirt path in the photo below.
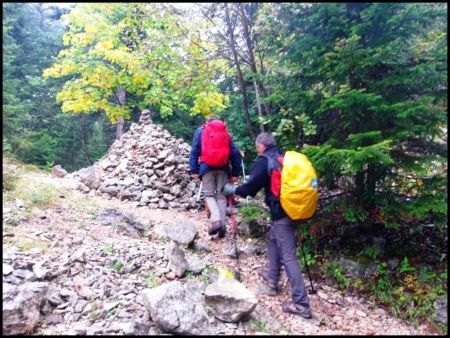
(333, 313)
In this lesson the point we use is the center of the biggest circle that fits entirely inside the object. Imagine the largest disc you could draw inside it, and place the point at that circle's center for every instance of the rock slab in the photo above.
(176, 309)
(230, 300)
(21, 307)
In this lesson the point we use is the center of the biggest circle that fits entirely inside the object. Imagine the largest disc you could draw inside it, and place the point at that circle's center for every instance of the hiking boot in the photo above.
(222, 232)
(215, 227)
(297, 309)
(264, 274)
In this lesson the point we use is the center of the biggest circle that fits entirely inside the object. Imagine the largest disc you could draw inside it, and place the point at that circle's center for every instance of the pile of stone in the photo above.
(147, 165)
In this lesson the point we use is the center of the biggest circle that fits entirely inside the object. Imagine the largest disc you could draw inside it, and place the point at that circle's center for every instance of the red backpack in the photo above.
(215, 144)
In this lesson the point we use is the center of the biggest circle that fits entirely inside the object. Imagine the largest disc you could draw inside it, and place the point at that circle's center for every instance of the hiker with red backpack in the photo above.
(266, 173)
(212, 150)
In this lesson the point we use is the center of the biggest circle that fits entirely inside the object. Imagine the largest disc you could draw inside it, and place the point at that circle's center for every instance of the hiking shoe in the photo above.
(222, 232)
(297, 309)
(264, 274)
(215, 227)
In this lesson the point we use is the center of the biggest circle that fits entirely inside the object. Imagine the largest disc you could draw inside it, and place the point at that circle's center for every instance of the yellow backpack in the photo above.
(294, 182)
(299, 186)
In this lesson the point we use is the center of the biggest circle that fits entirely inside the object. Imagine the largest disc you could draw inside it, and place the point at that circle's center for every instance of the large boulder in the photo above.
(230, 300)
(177, 309)
(21, 307)
(183, 233)
(58, 171)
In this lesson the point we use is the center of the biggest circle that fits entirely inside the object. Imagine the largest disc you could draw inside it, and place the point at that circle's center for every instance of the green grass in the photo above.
(204, 276)
(260, 326)
(32, 193)
(27, 245)
(150, 279)
(109, 249)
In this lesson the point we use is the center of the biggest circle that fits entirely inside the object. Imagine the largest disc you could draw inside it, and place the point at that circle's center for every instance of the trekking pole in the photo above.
(199, 191)
(313, 290)
(243, 173)
(234, 232)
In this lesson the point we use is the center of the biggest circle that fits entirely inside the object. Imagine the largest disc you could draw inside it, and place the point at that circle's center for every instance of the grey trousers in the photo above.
(213, 182)
(282, 248)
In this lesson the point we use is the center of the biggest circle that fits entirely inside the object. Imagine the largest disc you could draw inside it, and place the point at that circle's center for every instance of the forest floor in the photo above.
(70, 218)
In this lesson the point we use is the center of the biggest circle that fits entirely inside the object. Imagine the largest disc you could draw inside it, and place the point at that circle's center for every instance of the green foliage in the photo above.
(117, 266)
(109, 249)
(151, 279)
(409, 296)
(41, 196)
(260, 325)
(360, 80)
(308, 257)
(371, 252)
(334, 270)
(103, 58)
(204, 276)
(253, 211)
(405, 266)
(112, 313)
(11, 175)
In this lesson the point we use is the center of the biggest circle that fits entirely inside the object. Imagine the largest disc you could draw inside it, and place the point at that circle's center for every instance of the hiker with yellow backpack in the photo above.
(291, 193)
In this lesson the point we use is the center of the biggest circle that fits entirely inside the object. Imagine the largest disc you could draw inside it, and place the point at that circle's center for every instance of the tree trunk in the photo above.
(260, 113)
(83, 142)
(370, 186)
(239, 75)
(121, 99)
(119, 128)
(359, 186)
(253, 68)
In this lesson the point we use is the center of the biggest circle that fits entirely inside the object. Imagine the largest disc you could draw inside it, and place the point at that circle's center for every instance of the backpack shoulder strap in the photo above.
(272, 161)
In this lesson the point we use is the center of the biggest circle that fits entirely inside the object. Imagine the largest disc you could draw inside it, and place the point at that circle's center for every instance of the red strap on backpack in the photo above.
(275, 182)
(215, 144)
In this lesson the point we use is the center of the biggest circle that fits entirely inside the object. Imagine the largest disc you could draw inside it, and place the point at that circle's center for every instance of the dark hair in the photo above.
(265, 138)
(212, 118)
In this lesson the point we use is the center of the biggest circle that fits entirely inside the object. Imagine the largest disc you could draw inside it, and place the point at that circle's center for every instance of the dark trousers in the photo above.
(282, 248)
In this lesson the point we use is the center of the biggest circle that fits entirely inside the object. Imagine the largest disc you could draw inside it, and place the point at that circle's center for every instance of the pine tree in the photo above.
(372, 77)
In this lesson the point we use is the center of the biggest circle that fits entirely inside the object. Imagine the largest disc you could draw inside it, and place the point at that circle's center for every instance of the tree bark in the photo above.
(83, 141)
(248, 40)
(121, 99)
(119, 128)
(239, 74)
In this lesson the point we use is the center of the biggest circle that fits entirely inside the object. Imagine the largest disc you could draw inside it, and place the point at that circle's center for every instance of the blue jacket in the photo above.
(202, 168)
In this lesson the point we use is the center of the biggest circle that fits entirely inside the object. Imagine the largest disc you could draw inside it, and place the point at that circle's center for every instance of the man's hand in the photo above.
(228, 189)
(234, 179)
(196, 176)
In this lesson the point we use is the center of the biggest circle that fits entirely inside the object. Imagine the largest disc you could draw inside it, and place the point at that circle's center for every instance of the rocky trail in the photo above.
(96, 266)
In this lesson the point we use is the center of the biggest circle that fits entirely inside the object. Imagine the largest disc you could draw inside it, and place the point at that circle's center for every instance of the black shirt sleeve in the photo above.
(258, 179)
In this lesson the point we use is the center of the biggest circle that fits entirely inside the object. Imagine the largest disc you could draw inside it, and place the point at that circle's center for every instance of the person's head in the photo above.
(212, 118)
(263, 140)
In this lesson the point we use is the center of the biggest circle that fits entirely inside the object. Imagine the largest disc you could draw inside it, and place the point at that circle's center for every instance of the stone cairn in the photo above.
(147, 165)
